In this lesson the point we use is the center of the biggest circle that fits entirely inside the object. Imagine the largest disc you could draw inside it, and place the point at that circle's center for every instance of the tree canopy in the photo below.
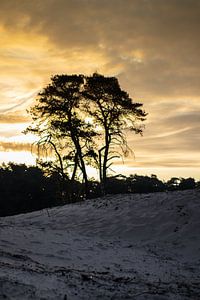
(113, 111)
(82, 120)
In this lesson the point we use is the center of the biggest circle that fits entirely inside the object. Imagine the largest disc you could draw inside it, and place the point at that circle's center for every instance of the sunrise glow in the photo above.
(152, 52)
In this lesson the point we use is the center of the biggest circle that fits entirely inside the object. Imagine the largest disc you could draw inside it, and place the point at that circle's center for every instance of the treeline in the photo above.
(149, 184)
(24, 189)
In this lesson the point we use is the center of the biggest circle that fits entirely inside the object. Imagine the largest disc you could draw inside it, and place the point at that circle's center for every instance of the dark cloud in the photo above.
(166, 137)
(166, 32)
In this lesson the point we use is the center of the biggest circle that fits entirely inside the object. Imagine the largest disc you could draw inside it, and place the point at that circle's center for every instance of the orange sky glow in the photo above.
(151, 46)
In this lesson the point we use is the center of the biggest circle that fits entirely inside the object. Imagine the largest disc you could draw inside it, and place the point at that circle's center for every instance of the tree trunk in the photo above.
(82, 164)
(101, 171)
(105, 160)
(77, 145)
(75, 167)
(63, 176)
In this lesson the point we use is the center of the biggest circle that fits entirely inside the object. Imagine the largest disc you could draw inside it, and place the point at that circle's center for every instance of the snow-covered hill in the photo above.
(117, 247)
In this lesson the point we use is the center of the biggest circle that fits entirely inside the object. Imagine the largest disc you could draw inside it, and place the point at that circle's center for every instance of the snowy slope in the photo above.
(117, 247)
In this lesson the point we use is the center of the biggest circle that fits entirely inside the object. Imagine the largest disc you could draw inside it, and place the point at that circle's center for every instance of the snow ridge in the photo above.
(116, 247)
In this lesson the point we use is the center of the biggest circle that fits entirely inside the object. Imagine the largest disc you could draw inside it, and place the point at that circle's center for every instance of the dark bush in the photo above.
(24, 189)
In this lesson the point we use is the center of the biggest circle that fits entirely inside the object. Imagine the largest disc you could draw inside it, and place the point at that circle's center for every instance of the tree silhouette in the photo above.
(113, 111)
(61, 126)
(173, 183)
(187, 183)
(72, 112)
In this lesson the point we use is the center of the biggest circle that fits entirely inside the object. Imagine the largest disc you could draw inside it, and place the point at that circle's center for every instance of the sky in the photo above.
(151, 46)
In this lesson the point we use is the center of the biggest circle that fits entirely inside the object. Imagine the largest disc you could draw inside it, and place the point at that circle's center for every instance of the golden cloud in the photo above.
(151, 46)
(9, 146)
(14, 118)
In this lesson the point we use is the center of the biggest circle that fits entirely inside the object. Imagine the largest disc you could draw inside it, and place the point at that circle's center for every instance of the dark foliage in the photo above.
(24, 189)
(187, 184)
(181, 184)
(145, 184)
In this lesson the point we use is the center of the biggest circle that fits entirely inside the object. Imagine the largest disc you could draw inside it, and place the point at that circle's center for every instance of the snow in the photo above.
(135, 246)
